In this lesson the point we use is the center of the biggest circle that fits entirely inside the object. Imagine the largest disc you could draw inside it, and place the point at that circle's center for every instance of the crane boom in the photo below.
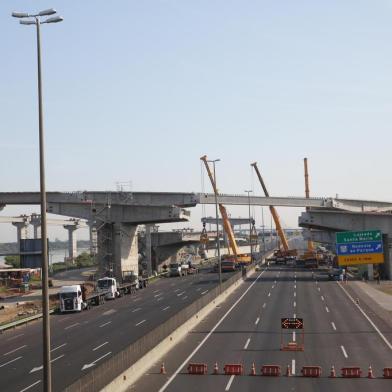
(273, 211)
(225, 219)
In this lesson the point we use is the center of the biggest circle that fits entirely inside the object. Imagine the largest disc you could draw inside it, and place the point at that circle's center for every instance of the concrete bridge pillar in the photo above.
(148, 250)
(72, 242)
(35, 221)
(118, 249)
(21, 231)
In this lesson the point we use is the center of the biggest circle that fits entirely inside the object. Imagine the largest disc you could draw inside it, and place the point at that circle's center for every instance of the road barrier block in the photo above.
(351, 372)
(387, 373)
(234, 369)
(270, 370)
(311, 371)
(197, 368)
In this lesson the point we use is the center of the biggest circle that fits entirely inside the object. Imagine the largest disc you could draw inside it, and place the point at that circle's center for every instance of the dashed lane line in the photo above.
(15, 337)
(16, 349)
(333, 325)
(12, 360)
(71, 326)
(101, 345)
(326, 309)
(174, 375)
(58, 347)
(257, 320)
(30, 386)
(229, 383)
(166, 308)
(247, 344)
(136, 310)
(344, 351)
(140, 322)
(293, 367)
(206, 291)
(104, 324)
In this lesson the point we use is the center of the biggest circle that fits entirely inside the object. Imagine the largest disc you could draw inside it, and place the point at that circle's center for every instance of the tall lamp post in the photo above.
(35, 19)
(250, 227)
(217, 225)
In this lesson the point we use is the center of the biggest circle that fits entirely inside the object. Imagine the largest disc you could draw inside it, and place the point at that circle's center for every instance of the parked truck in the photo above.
(76, 298)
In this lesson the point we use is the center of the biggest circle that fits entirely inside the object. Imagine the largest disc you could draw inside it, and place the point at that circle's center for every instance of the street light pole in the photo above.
(250, 227)
(47, 377)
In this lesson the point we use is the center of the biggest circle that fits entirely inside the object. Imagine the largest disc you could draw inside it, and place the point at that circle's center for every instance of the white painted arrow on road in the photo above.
(89, 365)
(36, 369)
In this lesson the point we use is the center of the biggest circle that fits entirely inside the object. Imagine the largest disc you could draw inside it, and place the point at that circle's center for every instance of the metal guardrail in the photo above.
(21, 321)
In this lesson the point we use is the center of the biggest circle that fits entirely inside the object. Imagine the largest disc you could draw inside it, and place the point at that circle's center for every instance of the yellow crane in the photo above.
(239, 257)
(286, 252)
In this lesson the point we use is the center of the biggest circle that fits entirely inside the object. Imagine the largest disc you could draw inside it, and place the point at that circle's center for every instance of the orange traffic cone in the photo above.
(288, 371)
(253, 370)
(216, 369)
(163, 370)
(370, 372)
(333, 373)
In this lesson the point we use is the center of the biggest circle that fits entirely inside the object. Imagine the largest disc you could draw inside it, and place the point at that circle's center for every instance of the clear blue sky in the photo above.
(139, 90)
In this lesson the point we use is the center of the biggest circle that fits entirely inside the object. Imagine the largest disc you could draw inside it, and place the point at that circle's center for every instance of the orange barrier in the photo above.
(370, 372)
(234, 369)
(197, 368)
(163, 370)
(270, 370)
(387, 373)
(333, 372)
(253, 370)
(311, 371)
(216, 369)
(351, 372)
(288, 371)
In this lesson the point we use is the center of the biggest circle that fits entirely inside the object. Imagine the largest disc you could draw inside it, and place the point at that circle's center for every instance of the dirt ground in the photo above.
(9, 313)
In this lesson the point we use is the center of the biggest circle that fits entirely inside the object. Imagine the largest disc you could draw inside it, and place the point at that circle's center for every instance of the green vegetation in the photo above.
(82, 261)
(14, 261)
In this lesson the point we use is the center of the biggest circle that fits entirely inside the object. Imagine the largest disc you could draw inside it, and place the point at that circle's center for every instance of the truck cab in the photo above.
(70, 298)
(175, 269)
(108, 285)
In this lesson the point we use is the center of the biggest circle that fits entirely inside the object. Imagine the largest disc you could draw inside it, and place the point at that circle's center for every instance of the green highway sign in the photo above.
(346, 237)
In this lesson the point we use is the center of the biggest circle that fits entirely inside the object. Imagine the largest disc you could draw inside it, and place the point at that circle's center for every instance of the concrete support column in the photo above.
(21, 231)
(125, 250)
(72, 242)
(35, 221)
(148, 250)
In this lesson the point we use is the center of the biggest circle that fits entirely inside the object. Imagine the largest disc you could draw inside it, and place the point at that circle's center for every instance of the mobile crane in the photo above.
(280, 255)
(239, 258)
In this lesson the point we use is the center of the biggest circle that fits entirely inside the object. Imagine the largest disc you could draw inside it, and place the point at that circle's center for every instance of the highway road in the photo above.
(80, 340)
(247, 329)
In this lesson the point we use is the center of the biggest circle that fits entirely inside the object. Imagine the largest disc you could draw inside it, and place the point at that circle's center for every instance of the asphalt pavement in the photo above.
(246, 329)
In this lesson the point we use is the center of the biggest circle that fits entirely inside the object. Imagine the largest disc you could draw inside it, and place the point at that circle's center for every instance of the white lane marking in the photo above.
(64, 319)
(71, 326)
(169, 381)
(264, 305)
(137, 299)
(316, 282)
(185, 297)
(102, 325)
(101, 345)
(295, 315)
(167, 307)
(56, 348)
(247, 344)
(140, 322)
(295, 304)
(295, 294)
(88, 365)
(160, 299)
(273, 286)
(386, 341)
(204, 292)
(295, 286)
(294, 337)
(176, 290)
(344, 351)
(108, 312)
(30, 386)
(198, 289)
(13, 360)
(156, 291)
(36, 369)
(327, 310)
(322, 298)
(158, 295)
(269, 294)
(15, 337)
(229, 383)
(19, 348)
(318, 288)
(293, 367)
(136, 310)
(257, 320)
(182, 292)
(333, 325)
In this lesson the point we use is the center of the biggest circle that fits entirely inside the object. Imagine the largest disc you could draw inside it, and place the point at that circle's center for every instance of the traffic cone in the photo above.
(288, 371)
(333, 373)
(253, 370)
(370, 372)
(216, 369)
(163, 370)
